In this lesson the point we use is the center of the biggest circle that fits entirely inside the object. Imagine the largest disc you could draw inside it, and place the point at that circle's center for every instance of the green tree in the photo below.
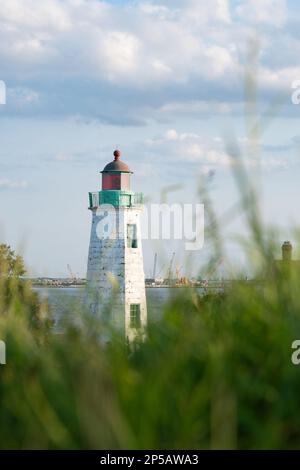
(16, 294)
(11, 263)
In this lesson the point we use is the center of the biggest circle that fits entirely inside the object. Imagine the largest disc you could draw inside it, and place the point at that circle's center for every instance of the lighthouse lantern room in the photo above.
(116, 175)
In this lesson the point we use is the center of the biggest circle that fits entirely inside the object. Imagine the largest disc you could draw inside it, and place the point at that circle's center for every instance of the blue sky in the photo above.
(163, 80)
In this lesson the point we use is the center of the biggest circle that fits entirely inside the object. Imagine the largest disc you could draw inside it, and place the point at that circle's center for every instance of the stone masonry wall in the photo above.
(115, 272)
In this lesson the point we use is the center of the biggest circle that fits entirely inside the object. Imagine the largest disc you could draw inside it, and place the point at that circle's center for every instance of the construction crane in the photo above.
(178, 270)
(154, 266)
(181, 280)
(170, 268)
(73, 277)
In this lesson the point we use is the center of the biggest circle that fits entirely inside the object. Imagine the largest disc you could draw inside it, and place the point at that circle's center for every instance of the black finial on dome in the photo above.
(117, 154)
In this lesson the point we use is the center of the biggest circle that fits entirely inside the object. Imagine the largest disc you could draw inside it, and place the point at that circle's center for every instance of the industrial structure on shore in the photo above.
(287, 263)
(115, 273)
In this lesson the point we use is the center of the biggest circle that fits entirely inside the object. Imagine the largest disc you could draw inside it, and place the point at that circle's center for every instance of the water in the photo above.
(67, 301)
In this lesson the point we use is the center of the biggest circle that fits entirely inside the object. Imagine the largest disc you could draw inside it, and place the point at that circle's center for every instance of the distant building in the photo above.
(287, 262)
(287, 251)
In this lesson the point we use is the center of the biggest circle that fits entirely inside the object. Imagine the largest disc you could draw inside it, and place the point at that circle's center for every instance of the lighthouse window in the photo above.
(132, 236)
(135, 315)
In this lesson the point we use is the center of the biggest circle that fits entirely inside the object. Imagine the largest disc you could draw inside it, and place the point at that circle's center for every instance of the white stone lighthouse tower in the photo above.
(115, 274)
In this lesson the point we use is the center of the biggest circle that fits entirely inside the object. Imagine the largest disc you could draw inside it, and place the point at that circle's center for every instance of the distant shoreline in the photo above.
(146, 286)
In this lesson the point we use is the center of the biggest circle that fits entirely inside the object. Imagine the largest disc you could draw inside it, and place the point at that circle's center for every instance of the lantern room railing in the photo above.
(115, 198)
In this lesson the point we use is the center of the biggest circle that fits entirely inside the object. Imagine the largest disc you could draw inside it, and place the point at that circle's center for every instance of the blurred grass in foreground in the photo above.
(216, 372)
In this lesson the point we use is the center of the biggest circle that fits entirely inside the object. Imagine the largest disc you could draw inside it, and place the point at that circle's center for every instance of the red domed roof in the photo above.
(116, 165)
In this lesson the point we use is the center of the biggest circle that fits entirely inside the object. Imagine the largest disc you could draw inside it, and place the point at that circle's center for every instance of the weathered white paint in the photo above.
(115, 272)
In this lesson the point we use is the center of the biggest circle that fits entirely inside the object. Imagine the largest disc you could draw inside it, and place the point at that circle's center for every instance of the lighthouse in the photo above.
(115, 272)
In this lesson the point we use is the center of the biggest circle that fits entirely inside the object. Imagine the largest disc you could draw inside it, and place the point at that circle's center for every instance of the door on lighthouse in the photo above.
(135, 316)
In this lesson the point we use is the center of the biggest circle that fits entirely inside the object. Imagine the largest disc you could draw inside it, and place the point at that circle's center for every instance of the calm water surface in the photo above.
(67, 301)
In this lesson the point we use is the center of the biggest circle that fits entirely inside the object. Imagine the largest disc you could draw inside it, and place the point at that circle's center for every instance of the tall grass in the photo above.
(215, 372)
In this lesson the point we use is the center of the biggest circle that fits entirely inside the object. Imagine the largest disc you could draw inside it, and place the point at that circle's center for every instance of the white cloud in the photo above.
(184, 56)
(33, 15)
(201, 12)
(119, 52)
(63, 157)
(137, 45)
(12, 184)
(198, 107)
(21, 96)
(279, 80)
(172, 134)
(272, 12)
(191, 148)
(208, 153)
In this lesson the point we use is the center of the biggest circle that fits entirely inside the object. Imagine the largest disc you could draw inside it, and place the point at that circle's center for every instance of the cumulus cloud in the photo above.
(190, 148)
(21, 96)
(271, 12)
(133, 62)
(206, 154)
(199, 108)
(12, 184)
